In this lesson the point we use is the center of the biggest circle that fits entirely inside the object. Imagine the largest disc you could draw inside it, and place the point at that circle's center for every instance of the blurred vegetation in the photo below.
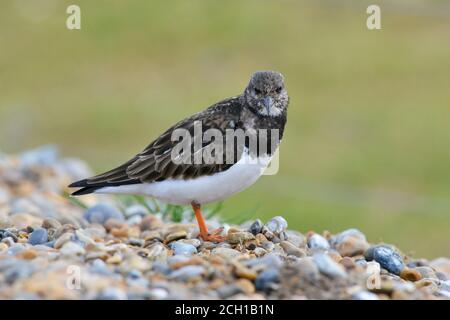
(368, 135)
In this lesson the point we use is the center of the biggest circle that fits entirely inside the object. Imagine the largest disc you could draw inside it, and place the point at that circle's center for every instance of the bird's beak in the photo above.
(268, 102)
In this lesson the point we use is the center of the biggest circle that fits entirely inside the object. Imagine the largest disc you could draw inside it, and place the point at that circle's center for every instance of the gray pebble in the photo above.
(256, 227)
(157, 252)
(387, 257)
(296, 238)
(277, 224)
(101, 212)
(158, 294)
(226, 253)
(180, 248)
(270, 260)
(317, 242)
(328, 266)
(20, 270)
(228, 290)
(98, 266)
(365, 295)
(186, 273)
(265, 280)
(38, 236)
(72, 249)
(15, 248)
(7, 234)
(44, 156)
(136, 210)
(112, 294)
(161, 267)
(134, 220)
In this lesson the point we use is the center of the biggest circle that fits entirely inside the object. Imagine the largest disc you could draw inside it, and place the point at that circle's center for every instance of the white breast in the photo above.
(204, 189)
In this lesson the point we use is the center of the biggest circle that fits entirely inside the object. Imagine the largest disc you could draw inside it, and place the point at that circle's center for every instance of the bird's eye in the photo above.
(279, 89)
(257, 91)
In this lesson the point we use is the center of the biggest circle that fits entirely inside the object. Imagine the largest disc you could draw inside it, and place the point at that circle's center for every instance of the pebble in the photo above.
(266, 279)
(328, 266)
(100, 213)
(426, 272)
(350, 243)
(180, 248)
(410, 274)
(98, 266)
(3, 247)
(244, 272)
(65, 237)
(38, 236)
(112, 294)
(195, 242)
(50, 223)
(228, 290)
(256, 227)
(308, 269)
(365, 295)
(157, 252)
(176, 235)
(136, 210)
(226, 253)
(239, 237)
(150, 222)
(187, 273)
(291, 249)
(277, 225)
(72, 249)
(259, 252)
(317, 242)
(387, 257)
(296, 238)
(15, 248)
(441, 265)
(41, 156)
(158, 294)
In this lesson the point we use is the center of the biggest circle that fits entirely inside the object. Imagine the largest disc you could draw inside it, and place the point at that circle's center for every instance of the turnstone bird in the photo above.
(243, 132)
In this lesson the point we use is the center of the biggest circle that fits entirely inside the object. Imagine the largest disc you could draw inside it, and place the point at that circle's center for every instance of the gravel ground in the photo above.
(52, 248)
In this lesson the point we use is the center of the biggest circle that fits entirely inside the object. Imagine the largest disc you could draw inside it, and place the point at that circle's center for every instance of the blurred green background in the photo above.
(368, 134)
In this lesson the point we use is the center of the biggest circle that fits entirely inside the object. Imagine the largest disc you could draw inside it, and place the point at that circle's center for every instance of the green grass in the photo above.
(368, 135)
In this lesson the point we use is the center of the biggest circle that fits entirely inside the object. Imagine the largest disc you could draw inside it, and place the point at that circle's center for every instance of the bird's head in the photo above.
(266, 94)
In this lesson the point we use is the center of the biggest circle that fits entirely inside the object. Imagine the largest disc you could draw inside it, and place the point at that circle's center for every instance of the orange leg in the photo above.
(204, 234)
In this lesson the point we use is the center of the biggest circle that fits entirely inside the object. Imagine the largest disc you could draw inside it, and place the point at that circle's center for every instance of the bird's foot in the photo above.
(214, 236)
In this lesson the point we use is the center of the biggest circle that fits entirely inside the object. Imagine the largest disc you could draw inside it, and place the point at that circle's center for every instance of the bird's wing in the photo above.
(155, 162)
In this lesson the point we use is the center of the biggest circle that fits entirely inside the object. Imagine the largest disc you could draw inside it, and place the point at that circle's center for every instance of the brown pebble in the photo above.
(243, 272)
(115, 259)
(192, 261)
(63, 229)
(51, 223)
(347, 262)
(120, 233)
(239, 237)
(410, 274)
(246, 286)
(260, 238)
(28, 254)
(113, 224)
(150, 222)
(65, 237)
(3, 247)
(176, 235)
